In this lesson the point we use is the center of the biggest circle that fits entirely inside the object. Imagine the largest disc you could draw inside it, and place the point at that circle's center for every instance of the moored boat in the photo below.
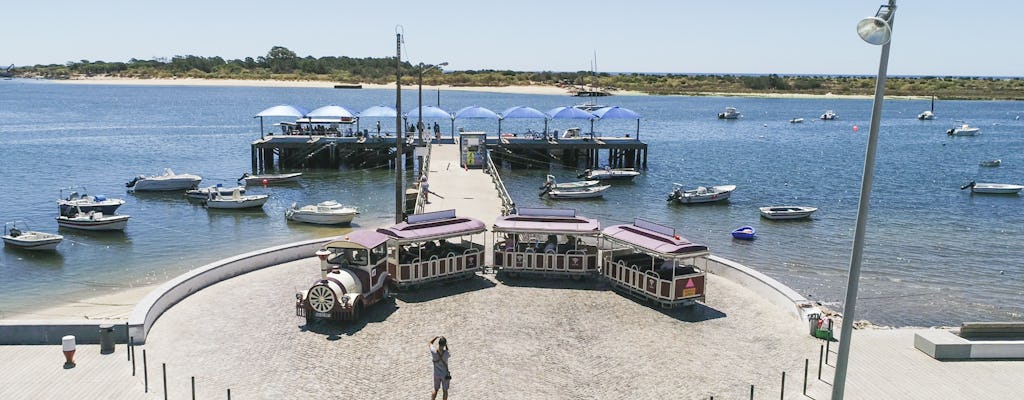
(236, 200)
(204, 193)
(744, 233)
(701, 194)
(568, 185)
(23, 238)
(730, 113)
(74, 200)
(829, 115)
(928, 115)
(167, 182)
(269, 178)
(787, 212)
(609, 174)
(796, 120)
(93, 221)
(578, 193)
(992, 188)
(324, 213)
(991, 163)
(963, 130)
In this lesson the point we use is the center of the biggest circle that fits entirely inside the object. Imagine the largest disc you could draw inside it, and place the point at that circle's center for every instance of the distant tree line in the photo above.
(281, 63)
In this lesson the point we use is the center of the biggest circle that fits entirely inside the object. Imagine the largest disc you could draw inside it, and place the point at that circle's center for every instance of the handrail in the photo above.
(507, 205)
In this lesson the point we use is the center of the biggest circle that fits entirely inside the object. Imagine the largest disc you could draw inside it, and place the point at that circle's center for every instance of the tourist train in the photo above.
(643, 259)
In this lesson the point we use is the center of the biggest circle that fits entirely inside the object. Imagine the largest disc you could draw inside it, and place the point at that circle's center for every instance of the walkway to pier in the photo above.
(469, 191)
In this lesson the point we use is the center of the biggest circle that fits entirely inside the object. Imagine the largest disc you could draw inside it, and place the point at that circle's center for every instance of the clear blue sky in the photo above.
(937, 37)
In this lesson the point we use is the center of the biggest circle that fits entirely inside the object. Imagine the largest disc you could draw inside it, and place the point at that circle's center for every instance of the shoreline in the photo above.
(116, 305)
(516, 89)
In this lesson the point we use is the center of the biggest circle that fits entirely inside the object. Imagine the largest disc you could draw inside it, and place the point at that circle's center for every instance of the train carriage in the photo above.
(434, 246)
(652, 261)
(546, 241)
(353, 276)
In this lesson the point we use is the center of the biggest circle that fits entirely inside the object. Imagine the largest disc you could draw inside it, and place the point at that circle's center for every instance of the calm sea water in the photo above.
(934, 255)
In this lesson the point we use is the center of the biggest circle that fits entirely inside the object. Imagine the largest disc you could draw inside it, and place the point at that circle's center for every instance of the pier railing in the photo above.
(507, 205)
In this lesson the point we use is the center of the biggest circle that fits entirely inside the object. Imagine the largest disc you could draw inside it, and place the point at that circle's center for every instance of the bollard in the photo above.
(807, 363)
(229, 393)
(782, 392)
(145, 372)
(68, 346)
(164, 366)
(106, 338)
(821, 353)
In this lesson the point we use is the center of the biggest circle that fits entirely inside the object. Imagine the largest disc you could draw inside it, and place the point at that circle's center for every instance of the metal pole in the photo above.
(399, 193)
(132, 351)
(849, 308)
(807, 365)
(782, 392)
(193, 388)
(439, 99)
(127, 341)
(821, 353)
(751, 392)
(145, 372)
(164, 366)
(419, 118)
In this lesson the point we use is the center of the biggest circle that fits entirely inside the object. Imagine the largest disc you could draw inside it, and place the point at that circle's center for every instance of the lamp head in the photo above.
(877, 30)
(442, 64)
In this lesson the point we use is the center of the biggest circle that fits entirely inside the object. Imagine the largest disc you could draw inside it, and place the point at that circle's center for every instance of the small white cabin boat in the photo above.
(236, 200)
(568, 185)
(25, 239)
(829, 115)
(204, 193)
(546, 241)
(93, 221)
(269, 178)
(74, 200)
(787, 212)
(992, 188)
(324, 213)
(580, 193)
(701, 194)
(963, 130)
(609, 174)
(730, 113)
(167, 182)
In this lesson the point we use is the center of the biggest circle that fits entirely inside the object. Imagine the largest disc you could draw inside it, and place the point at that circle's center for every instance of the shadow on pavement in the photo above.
(437, 290)
(535, 280)
(334, 330)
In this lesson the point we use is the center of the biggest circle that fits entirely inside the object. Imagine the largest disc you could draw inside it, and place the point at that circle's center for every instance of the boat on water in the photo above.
(167, 182)
(729, 113)
(744, 233)
(269, 178)
(992, 188)
(74, 201)
(567, 185)
(589, 192)
(609, 174)
(991, 163)
(701, 194)
(93, 221)
(589, 106)
(204, 193)
(787, 212)
(963, 130)
(829, 115)
(796, 120)
(236, 200)
(928, 115)
(324, 213)
(23, 238)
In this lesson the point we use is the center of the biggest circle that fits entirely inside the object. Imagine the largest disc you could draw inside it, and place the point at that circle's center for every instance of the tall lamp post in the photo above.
(420, 122)
(399, 132)
(875, 30)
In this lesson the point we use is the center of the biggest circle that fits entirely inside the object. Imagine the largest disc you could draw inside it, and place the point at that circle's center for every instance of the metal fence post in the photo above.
(807, 363)
(782, 391)
(751, 392)
(229, 393)
(821, 353)
(164, 366)
(145, 371)
(193, 388)
(127, 341)
(828, 343)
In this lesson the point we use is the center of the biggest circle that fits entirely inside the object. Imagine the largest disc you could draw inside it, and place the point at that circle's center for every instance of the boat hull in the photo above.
(164, 185)
(204, 193)
(586, 193)
(996, 188)
(782, 212)
(108, 223)
(320, 219)
(744, 233)
(229, 203)
(33, 241)
(65, 207)
(276, 178)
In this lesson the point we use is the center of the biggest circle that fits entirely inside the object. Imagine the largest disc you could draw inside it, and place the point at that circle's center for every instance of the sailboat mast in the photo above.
(933, 104)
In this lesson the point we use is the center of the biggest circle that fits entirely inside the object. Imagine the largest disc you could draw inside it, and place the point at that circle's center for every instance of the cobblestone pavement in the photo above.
(510, 339)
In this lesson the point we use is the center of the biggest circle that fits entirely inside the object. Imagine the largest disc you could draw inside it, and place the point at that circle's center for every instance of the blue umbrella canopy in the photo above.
(283, 110)
(428, 112)
(522, 112)
(616, 112)
(476, 112)
(331, 111)
(379, 111)
(569, 113)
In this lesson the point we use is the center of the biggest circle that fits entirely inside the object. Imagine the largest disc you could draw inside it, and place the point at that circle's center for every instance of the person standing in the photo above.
(439, 355)
(378, 128)
(437, 131)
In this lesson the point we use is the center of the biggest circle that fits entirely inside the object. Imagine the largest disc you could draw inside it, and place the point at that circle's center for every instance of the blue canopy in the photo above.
(379, 111)
(522, 112)
(569, 113)
(331, 111)
(616, 112)
(476, 112)
(283, 110)
(428, 112)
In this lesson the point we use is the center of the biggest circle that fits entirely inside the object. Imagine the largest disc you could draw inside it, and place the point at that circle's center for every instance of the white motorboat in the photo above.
(787, 212)
(963, 130)
(324, 213)
(204, 193)
(269, 178)
(796, 120)
(701, 194)
(93, 221)
(568, 185)
(236, 200)
(829, 115)
(991, 163)
(992, 188)
(579, 193)
(730, 113)
(29, 240)
(75, 201)
(167, 182)
(609, 173)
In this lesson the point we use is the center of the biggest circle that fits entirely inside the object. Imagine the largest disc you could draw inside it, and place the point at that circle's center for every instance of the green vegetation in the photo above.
(282, 64)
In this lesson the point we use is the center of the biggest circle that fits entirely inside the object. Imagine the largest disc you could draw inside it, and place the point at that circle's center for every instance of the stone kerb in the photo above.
(170, 293)
(764, 285)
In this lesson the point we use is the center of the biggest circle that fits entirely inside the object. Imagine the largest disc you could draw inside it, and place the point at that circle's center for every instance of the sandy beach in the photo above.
(112, 306)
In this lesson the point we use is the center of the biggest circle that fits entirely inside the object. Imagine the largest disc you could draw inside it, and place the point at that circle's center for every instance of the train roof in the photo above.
(547, 220)
(365, 238)
(433, 225)
(654, 238)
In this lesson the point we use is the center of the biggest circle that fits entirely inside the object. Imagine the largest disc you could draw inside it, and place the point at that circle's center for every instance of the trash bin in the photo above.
(68, 346)
(106, 338)
(812, 321)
